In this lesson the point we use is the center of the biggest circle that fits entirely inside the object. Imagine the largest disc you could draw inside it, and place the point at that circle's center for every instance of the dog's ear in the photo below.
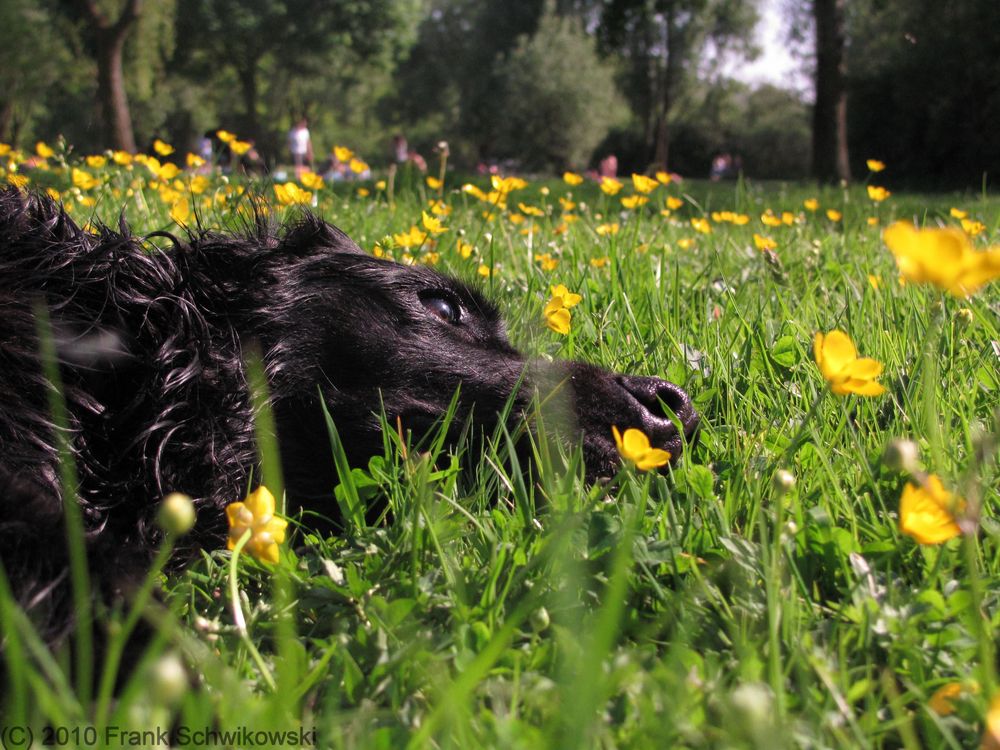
(35, 218)
(310, 233)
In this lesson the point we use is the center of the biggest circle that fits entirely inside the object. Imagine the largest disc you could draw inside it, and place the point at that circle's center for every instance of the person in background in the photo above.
(300, 145)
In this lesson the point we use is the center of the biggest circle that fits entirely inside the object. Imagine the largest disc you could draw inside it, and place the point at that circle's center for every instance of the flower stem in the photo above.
(238, 618)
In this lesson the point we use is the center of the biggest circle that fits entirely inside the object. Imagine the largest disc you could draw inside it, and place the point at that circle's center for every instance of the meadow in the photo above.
(760, 593)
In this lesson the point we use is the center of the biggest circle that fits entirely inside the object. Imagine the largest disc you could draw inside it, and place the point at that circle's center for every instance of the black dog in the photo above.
(151, 349)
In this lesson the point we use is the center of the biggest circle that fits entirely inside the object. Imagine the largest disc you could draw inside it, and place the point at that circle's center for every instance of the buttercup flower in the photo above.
(957, 213)
(763, 243)
(834, 215)
(290, 193)
(878, 194)
(927, 513)
(432, 224)
(674, 203)
(944, 257)
(843, 370)
(343, 153)
(162, 148)
(572, 178)
(634, 201)
(434, 183)
(644, 184)
(256, 514)
(634, 447)
(610, 186)
(875, 165)
(311, 180)
(811, 204)
(556, 312)
(44, 150)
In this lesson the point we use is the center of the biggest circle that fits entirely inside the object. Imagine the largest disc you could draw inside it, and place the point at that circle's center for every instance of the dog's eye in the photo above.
(444, 308)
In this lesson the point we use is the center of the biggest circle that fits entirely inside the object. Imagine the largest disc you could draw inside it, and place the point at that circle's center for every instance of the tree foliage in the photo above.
(558, 99)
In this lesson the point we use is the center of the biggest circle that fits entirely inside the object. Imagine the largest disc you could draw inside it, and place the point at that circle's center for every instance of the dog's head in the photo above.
(375, 335)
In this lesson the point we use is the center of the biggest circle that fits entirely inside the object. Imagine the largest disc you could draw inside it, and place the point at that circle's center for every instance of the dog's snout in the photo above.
(655, 395)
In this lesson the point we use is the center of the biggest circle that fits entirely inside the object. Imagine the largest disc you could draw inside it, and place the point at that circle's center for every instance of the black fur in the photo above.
(151, 344)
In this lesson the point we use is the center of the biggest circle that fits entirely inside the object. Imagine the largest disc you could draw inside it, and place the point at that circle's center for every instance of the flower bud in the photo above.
(540, 619)
(168, 680)
(177, 514)
(782, 482)
(902, 455)
(963, 318)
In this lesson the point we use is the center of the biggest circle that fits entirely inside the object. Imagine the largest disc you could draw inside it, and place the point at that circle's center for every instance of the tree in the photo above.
(831, 161)
(296, 35)
(665, 44)
(31, 60)
(109, 34)
(558, 98)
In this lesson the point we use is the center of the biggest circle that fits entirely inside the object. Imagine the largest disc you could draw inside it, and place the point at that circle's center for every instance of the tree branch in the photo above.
(130, 14)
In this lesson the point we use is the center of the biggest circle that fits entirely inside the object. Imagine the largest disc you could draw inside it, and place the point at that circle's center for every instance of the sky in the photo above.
(776, 64)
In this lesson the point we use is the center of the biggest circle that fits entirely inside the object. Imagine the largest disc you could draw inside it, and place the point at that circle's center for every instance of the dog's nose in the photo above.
(653, 394)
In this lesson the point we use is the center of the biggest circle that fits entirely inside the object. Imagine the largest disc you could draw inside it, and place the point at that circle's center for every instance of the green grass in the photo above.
(705, 608)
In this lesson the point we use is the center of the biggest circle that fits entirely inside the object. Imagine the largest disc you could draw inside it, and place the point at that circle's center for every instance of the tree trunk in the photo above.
(110, 38)
(831, 160)
(115, 114)
(248, 83)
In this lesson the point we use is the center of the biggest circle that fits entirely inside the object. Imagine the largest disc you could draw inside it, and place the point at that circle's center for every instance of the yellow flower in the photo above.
(96, 162)
(872, 221)
(943, 257)
(972, 227)
(380, 185)
(364, 192)
(485, 270)
(256, 514)
(833, 214)
(634, 447)
(875, 165)
(991, 733)
(240, 147)
(474, 190)
(600, 262)
(606, 229)
(610, 186)
(663, 178)
(674, 203)
(290, 193)
(634, 201)
(180, 211)
(84, 180)
(53, 193)
(567, 205)
(311, 180)
(763, 243)
(644, 184)
(530, 210)
(5, 148)
(434, 183)
(225, 136)
(343, 153)
(413, 237)
(547, 262)
(504, 185)
(769, 219)
(43, 150)
(878, 194)
(17, 180)
(432, 224)
(874, 281)
(843, 370)
(927, 513)
(464, 248)
(193, 161)
(701, 225)
(557, 317)
(358, 166)
(121, 158)
(685, 243)
(569, 299)
(811, 204)
(439, 208)
(942, 702)
(163, 149)
(957, 213)
(199, 184)
(572, 178)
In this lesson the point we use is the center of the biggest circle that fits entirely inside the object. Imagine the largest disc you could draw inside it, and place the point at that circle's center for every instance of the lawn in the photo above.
(759, 594)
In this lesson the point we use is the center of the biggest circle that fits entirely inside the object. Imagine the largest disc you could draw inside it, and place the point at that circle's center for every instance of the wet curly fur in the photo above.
(152, 336)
